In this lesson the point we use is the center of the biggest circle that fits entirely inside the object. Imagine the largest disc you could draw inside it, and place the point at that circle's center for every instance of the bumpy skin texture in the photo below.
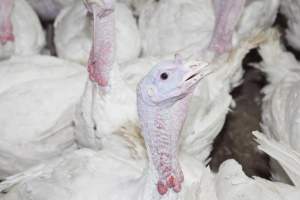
(163, 97)
(227, 14)
(102, 54)
(6, 29)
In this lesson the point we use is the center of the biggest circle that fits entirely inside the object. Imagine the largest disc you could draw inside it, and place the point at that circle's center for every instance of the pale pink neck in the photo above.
(161, 126)
(6, 29)
(228, 13)
(102, 53)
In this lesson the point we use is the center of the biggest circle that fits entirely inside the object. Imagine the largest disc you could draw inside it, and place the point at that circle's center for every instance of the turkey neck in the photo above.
(228, 13)
(6, 29)
(161, 126)
(102, 53)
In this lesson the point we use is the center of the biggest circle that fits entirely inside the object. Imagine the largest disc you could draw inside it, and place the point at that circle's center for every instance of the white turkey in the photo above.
(20, 30)
(37, 104)
(291, 9)
(228, 64)
(281, 107)
(162, 103)
(73, 38)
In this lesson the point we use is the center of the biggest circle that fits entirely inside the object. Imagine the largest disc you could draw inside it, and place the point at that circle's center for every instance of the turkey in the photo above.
(281, 107)
(165, 91)
(168, 26)
(20, 30)
(37, 104)
(106, 92)
(178, 17)
(73, 34)
(291, 9)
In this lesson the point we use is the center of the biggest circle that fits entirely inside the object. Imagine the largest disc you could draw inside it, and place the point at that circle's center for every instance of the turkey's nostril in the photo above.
(189, 78)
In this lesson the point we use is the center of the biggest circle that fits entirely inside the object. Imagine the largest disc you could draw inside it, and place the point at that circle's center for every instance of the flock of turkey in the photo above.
(139, 90)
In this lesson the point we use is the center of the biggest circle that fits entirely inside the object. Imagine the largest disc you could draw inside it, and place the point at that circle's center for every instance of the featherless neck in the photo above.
(6, 29)
(161, 127)
(228, 13)
(102, 53)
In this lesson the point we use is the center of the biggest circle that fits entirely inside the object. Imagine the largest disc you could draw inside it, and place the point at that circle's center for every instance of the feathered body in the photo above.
(28, 35)
(38, 98)
(291, 9)
(281, 107)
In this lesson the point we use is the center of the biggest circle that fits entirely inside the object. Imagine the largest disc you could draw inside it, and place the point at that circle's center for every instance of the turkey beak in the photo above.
(196, 71)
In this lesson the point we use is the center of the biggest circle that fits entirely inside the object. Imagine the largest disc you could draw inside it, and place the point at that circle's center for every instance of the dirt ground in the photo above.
(235, 140)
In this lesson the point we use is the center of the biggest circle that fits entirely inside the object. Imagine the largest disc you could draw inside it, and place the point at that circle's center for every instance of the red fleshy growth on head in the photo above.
(99, 67)
(177, 186)
(6, 27)
(162, 188)
(7, 38)
(171, 181)
(6, 33)
(97, 76)
(171, 176)
(174, 183)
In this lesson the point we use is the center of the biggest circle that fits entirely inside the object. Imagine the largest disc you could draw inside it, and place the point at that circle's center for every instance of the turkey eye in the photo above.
(164, 76)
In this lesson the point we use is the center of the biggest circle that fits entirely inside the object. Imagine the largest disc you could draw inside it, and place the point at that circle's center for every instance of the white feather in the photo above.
(28, 32)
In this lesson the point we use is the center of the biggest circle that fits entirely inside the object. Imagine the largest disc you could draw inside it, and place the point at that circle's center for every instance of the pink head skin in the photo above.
(6, 29)
(102, 53)
(162, 100)
(227, 14)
